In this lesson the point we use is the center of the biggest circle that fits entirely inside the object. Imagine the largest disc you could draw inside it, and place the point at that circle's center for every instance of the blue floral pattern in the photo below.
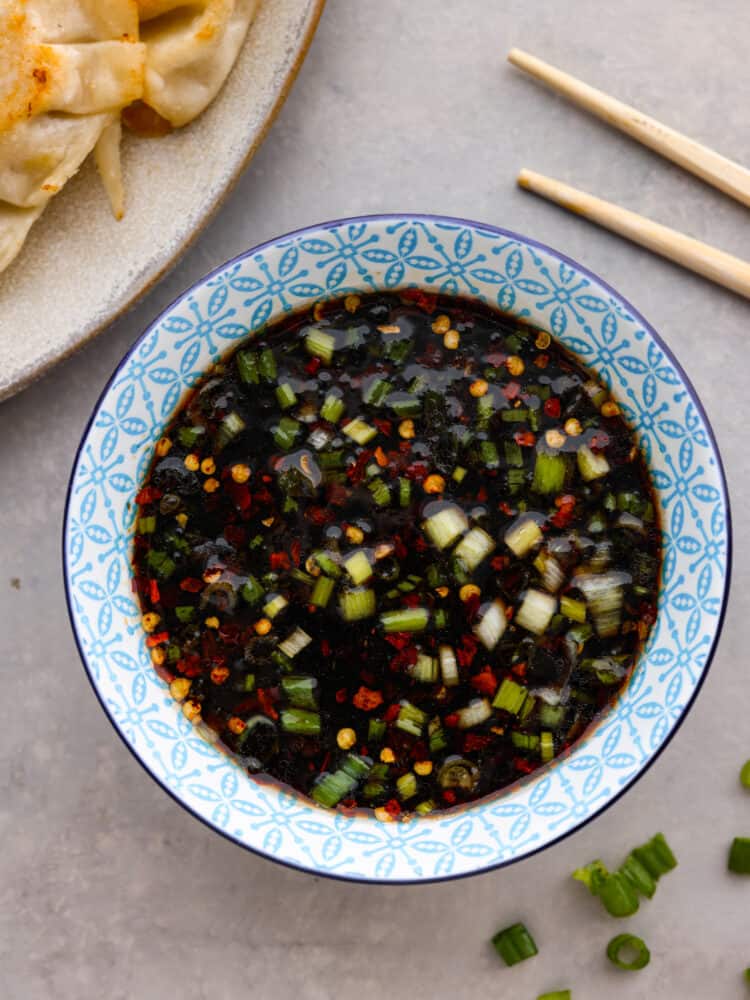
(434, 254)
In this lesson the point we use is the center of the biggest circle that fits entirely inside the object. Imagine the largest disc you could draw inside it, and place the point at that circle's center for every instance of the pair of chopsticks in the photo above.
(729, 177)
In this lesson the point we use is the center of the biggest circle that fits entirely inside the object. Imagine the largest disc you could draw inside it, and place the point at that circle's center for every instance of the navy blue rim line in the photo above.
(440, 220)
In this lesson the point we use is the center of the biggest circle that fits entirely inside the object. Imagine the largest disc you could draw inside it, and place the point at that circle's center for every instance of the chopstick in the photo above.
(724, 174)
(716, 265)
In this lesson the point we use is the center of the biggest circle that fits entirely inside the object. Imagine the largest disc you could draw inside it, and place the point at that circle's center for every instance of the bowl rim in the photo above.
(430, 218)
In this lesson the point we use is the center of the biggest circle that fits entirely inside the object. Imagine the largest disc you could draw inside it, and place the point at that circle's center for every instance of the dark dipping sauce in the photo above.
(397, 552)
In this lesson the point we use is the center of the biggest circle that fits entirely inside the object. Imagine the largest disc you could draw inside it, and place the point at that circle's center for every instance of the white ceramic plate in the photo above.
(80, 269)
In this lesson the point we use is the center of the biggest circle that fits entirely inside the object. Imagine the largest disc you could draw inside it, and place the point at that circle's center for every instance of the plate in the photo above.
(80, 269)
(451, 256)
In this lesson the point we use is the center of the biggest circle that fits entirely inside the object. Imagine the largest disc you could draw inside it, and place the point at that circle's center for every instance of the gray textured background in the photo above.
(107, 888)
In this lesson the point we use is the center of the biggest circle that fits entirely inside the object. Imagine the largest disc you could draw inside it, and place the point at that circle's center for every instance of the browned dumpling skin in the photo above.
(67, 68)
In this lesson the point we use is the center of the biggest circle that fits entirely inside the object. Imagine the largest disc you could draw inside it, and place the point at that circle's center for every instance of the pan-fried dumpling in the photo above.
(190, 51)
(67, 68)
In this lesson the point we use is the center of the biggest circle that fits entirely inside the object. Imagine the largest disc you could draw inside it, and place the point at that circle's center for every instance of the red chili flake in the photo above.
(476, 741)
(266, 704)
(399, 549)
(319, 515)
(411, 600)
(420, 544)
(526, 439)
(393, 808)
(296, 550)
(511, 390)
(466, 651)
(484, 682)
(399, 639)
(391, 713)
(471, 606)
(481, 494)
(404, 446)
(422, 300)
(267, 479)
(451, 720)
(499, 562)
(506, 508)
(403, 659)
(263, 496)
(231, 634)
(449, 796)
(325, 647)
(338, 494)
(148, 494)
(523, 765)
(157, 639)
(541, 360)
(313, 365)
(326, 761)
(552, 407)
(519, 669)
(153, 592)
(239, 494)
(566, 508)
(384, 426)
(236, 535)
(341, 695)
(357, 471)
(189, 665)
(366, 699)
(246, 705)
(417, 470)
(164, 672)
(419, 751)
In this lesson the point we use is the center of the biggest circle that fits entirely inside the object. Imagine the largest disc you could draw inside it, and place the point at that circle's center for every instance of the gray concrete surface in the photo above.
(109, 890)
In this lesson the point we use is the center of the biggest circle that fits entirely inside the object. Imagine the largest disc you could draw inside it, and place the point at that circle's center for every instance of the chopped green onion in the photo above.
(485, 409)
(493, 623)
(656, 856)
(474, 714)
(147, 525)
(629, 944)
(549, 473)
(327, 563)
(247, 366)
(230, 427)
(459, 473)
(277, 603)
(425, 670)
(574, 610)
(300, 722)
(605, 596)
(405, 619)
(524, 741)
(489, 454)
(189, 436)
(381, 494)
(376, 392)
(618, 896)
(184, 612)
(251, 591)
(322, 591)
(513, 455)
(514, 944)
(591, 465)
(445, 526)
(536, 611)
(162, 564)
(286, 432)
(301, 692)
(333, 787)
(404, 492)
(406, 786)
(357, 604)
(436, 734)
(448, 666)
(333, 408)
(593, 875)
(522, 536)
(376, 730)
(551, 715)
(360, 431)
(411, 719)
(405, 404)
(638, 876)
(285, 395)
(320, 344)
(739, 856)
(358, 566)
(425, 807)
(745, 774)
(510, 697)
(546, 746)
(295, 643)
(556, 995)
(267, 365)
(475, 546)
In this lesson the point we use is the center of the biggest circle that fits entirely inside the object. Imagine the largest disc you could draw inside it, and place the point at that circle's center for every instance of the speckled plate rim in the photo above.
(33, 371)
(563, 259)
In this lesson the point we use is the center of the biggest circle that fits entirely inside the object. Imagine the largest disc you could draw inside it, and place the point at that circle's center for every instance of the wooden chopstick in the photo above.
(718, 266)
(728, 176)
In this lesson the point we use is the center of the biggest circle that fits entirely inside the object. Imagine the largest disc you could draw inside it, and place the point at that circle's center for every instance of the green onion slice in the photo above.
(628, 944)
(514, 944)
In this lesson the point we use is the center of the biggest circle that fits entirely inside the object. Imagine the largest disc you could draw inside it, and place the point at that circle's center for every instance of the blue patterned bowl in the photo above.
(451, 256)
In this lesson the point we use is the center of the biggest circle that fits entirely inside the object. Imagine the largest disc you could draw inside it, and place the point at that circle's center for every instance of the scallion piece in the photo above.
(474, 547)
(628, 944)
(573, 610)
(360, 431)
(381, 494)
(247, 366)
(357, 604)
(448, 666)
(638, 875)
(301, 692)
(327, 563)
(267, 365)
(536, 611)
(411, 719)
(745, 775)
(358, 566)
(514, 944)
(514, 416)
(591, 465)
(375, 730)
(493, 623)
(295, 643)
(332, 408)
(320, 344)
(376, 392)
(549, 473)
(406, 786)
(251, 591)
(184, 612)
(546, 746)
(147, 525)
(618, 896)
(425, 807)
(525, 741)
(510, 697)
(300, 721)
(285, 395)
(404, 492)
(286, 432)
(321, 593)
(739, 856)
(425, 670)
(436, 735)
(522, 536)
(405, 619)
(489, 454)
(459, 474)
(656, 856)
(556, 995)
(405, 404)
(474, 714)
(445, 526)
(276, 604)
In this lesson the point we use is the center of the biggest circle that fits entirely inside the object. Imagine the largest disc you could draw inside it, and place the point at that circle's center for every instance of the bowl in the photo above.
(452, 256)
